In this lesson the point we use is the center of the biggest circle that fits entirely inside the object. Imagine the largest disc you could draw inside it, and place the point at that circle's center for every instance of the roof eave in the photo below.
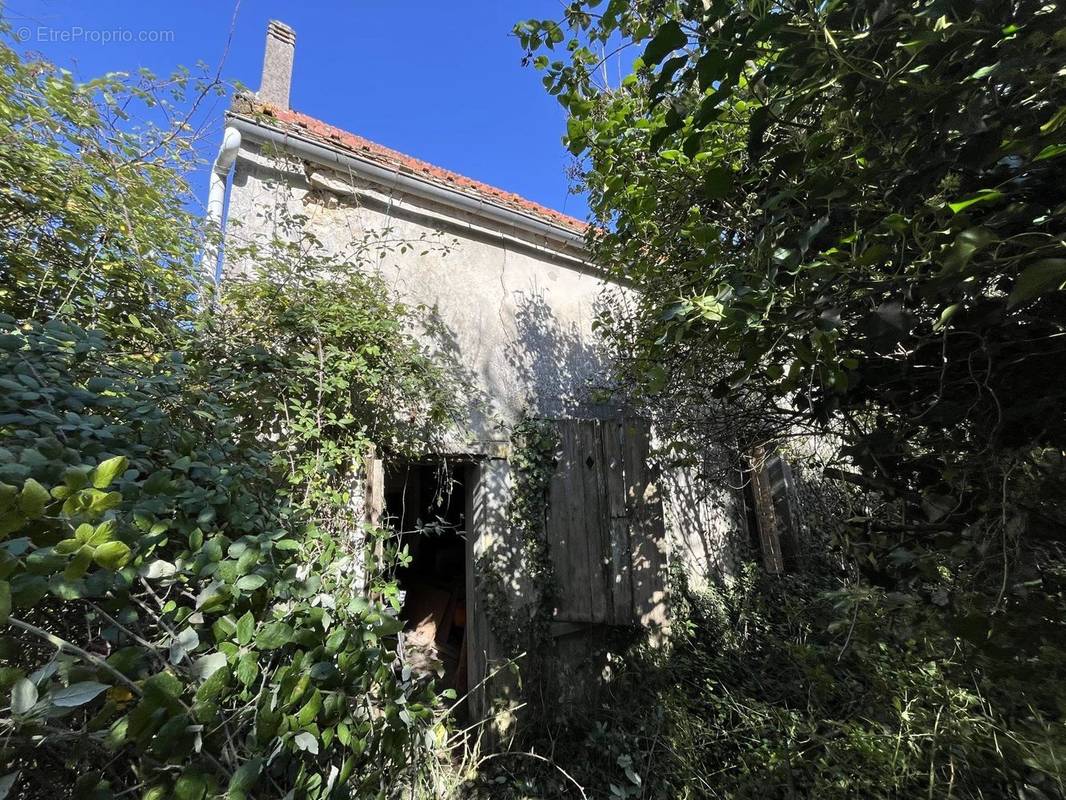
(258, 128)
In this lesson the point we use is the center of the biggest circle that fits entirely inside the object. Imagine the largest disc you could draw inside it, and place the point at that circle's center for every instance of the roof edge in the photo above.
(330, 146)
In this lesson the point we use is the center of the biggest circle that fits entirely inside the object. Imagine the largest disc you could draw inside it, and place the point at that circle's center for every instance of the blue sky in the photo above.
(438, 80)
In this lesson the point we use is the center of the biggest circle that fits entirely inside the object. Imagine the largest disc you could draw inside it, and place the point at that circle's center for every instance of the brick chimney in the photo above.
(277, 64)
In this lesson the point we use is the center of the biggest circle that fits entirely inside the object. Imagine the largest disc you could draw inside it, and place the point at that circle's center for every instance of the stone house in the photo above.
(517, 298)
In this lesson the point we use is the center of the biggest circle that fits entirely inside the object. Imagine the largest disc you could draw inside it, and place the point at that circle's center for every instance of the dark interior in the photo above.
(426, 505)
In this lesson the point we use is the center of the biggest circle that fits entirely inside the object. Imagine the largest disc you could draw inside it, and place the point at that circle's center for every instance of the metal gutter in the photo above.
(412, 184)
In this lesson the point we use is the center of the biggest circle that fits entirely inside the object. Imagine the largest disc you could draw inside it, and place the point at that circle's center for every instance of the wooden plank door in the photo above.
(605, 525)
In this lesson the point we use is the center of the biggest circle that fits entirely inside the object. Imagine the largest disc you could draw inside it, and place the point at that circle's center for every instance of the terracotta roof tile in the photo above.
(313, 129)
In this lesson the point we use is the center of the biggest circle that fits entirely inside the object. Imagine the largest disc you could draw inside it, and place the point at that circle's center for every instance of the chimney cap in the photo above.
(276, 27)
(278, 57)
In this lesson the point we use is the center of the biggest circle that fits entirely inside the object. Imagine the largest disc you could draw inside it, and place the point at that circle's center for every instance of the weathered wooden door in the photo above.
(773, 492)
(605, 526)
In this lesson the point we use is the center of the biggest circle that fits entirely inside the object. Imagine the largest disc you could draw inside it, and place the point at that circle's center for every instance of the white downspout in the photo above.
(216, 201)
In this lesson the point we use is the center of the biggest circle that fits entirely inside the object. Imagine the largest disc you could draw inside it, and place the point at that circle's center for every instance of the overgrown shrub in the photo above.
(173, 618)
(846, 219)
(189, 602)
(758, 697)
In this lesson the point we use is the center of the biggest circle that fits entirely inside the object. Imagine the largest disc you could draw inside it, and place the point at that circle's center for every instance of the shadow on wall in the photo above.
(563, 372)
(475, 404)
(705, 519)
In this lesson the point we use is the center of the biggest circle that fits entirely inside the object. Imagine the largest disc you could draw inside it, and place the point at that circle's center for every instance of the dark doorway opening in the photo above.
(425, 503)
(751, 515)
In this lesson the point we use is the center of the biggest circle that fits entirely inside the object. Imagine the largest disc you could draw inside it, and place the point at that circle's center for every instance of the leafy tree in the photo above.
(179, 546)
(93, 198)
(847, 219)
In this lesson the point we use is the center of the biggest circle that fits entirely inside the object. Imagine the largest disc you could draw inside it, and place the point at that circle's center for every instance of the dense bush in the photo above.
(188, 594)
(758, 699)
(845, 219)
(174, 617)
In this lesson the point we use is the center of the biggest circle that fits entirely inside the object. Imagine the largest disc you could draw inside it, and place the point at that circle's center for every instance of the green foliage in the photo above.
(320, 356)
(533, 461)
(231, 622)
(96, 193)
(182, 560)
(846, 219)
(847, 215)
(525, 632)
(757, 698)
(828, 187)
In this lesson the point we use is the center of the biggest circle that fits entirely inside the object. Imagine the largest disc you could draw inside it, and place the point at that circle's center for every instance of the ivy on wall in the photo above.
(525, 628)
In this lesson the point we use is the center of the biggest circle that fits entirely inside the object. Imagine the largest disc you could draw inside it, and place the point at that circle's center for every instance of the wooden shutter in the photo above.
(775, 509)
(605, 525)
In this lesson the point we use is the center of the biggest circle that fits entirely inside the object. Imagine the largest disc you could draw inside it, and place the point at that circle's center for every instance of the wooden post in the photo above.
(374, 507)
(769, 538)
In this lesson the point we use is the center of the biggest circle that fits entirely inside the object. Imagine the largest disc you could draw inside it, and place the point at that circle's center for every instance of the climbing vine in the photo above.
(533, 461)
(178, 616)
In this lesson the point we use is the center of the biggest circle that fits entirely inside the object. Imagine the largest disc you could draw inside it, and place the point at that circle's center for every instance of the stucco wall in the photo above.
(514, 315)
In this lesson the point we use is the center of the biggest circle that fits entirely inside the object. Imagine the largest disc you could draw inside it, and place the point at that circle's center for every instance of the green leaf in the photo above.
(68, 546)
(246, 776)
(983, 72)
(946, 315)
(192, 785)
(968, 243)
(249, 583)
(104, 532)
(224, 627)
(77, 694)
(670, 37)
(247, 668)
(211, 689)
(307, 714)
(5, 602)
(1042, 277)
(245, 628)
(104, 501)
(248, 561)
(23, 696)
(984, 196)
(106, 471)
(33, 499)
(112, 555)
(274, 635)
(1056, 121)
(10, 521)
(389, 625)
(79, 564)
(335, 640)
(8, 495)
(1051, 151)
(75, 478)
